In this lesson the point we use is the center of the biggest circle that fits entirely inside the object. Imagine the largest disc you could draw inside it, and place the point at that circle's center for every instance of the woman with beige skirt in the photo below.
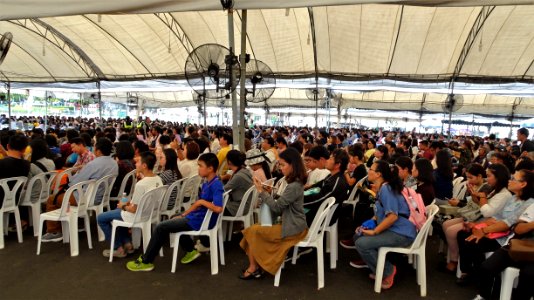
(267, 246)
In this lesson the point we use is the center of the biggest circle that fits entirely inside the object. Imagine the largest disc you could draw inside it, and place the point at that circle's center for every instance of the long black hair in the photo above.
(171, 162)
(390, 175)
(502, 174)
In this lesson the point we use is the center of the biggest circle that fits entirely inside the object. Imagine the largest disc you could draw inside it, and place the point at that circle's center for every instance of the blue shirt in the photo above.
(96, 169)
(390, 202)
(211, 191)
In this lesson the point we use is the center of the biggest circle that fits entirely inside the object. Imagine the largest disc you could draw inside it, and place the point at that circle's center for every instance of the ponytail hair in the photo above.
(390, 174)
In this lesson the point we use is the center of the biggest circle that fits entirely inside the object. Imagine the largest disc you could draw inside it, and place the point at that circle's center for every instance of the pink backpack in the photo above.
(416, 206)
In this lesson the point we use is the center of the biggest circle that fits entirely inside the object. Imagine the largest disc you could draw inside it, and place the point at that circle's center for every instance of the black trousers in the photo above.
(472, 254)
(495, 264)
(161, 236)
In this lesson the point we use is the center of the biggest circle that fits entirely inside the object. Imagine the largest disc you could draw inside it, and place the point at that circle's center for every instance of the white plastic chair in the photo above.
(60, 175)
(194, 182)
(142, 218)
(508, 282)
(68, 216)
(215, 234)
(250, 197)
(35, 204)
(107, 184)
(179, 187)
(417, 248)
(353, 198)
(331, 237)
(256, 208)
(459, 189)
(314, 239)
(128, 177)
(10, 205)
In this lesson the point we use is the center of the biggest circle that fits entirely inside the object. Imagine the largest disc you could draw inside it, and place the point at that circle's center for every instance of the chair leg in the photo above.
(36, 212)
(2, 225)
(320, 265)
(421, 272)
(328, 238)
(214, 254)
(221, 246)
(333, 248)
(380, 270)
(88, 232)
(73, 235)
(507, 283)
(18, 224)
(147, 233)
(175, 253)
(39, 237)
(277, 276)
(112, 242)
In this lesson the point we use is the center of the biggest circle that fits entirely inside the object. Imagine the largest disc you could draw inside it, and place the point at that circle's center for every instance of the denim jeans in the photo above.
(122, 236)
(368, 247)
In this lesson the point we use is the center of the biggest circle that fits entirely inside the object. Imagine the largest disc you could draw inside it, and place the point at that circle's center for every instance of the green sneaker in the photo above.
(190, 256)
(138, 265)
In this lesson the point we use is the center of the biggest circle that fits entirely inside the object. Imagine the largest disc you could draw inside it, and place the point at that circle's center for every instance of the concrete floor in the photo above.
(56, 275)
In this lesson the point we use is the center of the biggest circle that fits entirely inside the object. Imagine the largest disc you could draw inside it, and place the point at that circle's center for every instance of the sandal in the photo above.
(247, 275)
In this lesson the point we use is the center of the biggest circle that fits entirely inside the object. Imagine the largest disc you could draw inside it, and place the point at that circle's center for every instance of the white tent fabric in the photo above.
(17, 9)
(433, 41)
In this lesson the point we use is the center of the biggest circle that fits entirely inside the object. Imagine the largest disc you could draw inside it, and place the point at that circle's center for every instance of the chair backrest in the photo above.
(191, 183)
(106, 184)
(319, 222)
(60, 175)
(330, 214)
(352, 195)
(422, 235)
(145, 207)
(11, 187)
(81, 191)
(459, 190)
(178, 186)
(250, 195)
(206, 222)
(128, 177)
(157, 198)
(40, 180)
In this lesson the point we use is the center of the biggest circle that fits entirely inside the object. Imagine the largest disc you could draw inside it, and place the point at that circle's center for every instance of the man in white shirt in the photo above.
(126, 210)
(316, 161)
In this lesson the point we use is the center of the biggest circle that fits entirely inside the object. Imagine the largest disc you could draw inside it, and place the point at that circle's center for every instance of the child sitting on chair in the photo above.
(211, 197)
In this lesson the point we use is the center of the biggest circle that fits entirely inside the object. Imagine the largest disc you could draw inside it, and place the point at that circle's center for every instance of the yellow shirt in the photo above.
(221, 155)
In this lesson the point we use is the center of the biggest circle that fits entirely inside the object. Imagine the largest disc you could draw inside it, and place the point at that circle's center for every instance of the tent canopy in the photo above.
(411, 41)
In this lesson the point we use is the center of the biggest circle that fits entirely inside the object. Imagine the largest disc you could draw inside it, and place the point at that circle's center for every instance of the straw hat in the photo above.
(254, 156)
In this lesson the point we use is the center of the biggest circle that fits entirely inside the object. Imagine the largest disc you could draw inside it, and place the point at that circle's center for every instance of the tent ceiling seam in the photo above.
(38, 62)
(483, 15)
(86, 59)
(424, 43)
(396, 40)
(75, 55)
(495, 38)
(119, 42)
(270, 39)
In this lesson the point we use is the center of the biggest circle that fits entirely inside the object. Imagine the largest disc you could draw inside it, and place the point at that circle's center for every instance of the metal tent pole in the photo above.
(235, 109)
(46, 109)
(243, 66)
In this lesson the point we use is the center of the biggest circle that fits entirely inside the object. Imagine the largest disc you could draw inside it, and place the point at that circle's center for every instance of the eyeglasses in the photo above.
(516, 180)
(374, 170)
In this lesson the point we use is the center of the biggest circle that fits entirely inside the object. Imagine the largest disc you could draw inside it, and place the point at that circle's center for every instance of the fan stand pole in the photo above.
(8, 87)
(235, 110)
(450, 121)
(100, 103)
(46, 110)
(316, 109)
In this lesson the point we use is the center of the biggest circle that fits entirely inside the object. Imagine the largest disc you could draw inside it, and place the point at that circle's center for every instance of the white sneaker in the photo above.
(52, 237)
(201, 248)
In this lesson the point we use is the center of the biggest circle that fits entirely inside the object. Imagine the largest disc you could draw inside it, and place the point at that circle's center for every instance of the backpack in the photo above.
(417, 207)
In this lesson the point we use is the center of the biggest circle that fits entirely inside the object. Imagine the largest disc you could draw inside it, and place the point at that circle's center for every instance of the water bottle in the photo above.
(124, 198)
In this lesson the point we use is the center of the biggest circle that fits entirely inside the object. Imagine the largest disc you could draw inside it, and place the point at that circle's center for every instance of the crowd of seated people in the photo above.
(310, 165)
